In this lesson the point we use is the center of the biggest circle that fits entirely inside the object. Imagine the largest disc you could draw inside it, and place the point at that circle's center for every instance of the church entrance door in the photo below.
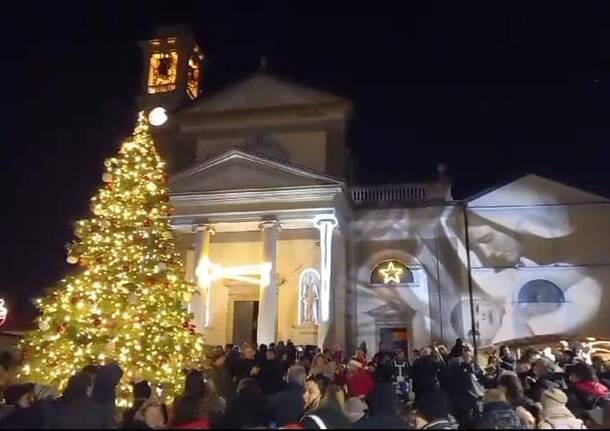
(395, 337)
(245, 322)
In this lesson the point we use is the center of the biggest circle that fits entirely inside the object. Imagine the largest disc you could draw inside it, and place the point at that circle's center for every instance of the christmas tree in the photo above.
(125, 300)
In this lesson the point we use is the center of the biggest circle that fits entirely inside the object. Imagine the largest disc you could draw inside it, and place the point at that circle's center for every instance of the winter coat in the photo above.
(104, 390)
(360, 383)
(245, 410)
(22, 418)
(550, 381)
(383, 406)
(243, 368)
(221, 376)
(331, 417)
(271, 377)
(80, 413)
(498, 415)
(425, 375)
(508, 363)
(560, 418)
(287, 407)
(199, 424)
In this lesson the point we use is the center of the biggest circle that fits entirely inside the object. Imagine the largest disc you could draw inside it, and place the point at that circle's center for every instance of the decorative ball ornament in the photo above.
(105, 224)
(146, 223)
(97, 322)
(43, 325)
(109, 347)
(61, 329)
(161, 266)
(107, 177)
(167, 235)
(82, 263)
(186, 296)
(133, 299)
(72, 260)
(151, 187)
(126, 268)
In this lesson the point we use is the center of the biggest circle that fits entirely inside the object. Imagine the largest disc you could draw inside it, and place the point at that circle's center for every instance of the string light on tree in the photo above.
(125, 302)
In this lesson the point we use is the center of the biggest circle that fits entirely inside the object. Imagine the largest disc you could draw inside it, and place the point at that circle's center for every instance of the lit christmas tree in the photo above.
(126, 300)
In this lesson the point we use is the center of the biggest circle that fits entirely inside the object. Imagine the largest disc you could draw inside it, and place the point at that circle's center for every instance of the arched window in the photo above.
(391, 272)
(540, 292)
(539, 297)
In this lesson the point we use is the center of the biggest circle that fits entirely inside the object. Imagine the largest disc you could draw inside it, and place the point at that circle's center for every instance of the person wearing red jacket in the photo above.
(359, 382)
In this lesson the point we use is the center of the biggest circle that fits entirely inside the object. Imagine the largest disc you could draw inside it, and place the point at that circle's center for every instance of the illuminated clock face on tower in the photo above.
(157, 116)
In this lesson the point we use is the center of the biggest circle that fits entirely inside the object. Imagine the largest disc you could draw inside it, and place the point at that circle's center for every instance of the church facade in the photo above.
(282, 246)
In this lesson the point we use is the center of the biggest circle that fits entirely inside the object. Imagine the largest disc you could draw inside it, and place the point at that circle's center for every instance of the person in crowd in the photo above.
(246, 366)
(383, 403)
(104, 389)
(245, 410)
(313, 391)
(360, 356)
(587, 390)
(271, 374)
(433, 411)
(20, 413)
(359, 382)
(510, 385)
(291, 354)
(220, 375)
(497, 412)
(287, 407)
(458, 349)
(546, 378)
(318, 366)
(76, 409)
(8, 367)
(211, 405)
(425, 373)
(152, 414)
(355, 410)
(141, 394)
(186, 414)
(464, 390)
(555, 414)
(384, 355)
(330, 413)
(601, 369)
(261, 354)
(232, 362)
(507, 360)
(400, 374)
(364, 351)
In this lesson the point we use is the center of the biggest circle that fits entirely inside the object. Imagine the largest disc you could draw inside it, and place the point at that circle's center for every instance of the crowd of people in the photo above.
(291, 387)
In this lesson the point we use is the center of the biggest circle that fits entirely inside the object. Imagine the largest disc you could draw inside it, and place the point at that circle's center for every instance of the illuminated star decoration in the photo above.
(391, 273)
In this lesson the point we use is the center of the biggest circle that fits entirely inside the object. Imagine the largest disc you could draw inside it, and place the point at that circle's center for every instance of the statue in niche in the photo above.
(309, 289)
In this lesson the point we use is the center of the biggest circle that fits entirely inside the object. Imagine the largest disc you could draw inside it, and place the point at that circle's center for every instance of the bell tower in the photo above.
(172, 72)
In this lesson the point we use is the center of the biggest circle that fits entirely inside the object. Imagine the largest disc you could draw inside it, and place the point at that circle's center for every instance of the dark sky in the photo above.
(491, 90)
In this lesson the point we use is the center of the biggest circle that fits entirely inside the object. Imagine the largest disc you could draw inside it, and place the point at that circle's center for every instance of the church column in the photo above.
(268, 299)
(203, 280)
(325, 225)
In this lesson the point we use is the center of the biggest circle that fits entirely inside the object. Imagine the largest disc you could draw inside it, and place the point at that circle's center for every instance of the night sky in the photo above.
(491, 91)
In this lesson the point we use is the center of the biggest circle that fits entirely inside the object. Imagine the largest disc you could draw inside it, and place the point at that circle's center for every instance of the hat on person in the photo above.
(552, 398)
(355, 408)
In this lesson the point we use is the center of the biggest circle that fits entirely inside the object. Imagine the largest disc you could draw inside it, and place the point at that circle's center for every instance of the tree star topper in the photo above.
(391, 274)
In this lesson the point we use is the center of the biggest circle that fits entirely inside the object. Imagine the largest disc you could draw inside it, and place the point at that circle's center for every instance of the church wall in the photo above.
(539, 270)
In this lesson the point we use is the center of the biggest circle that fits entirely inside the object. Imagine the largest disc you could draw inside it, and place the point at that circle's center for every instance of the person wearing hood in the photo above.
(76, 410)
(383, 407)
(588, 391)
(546, 378)
(104, 389)
(330, 413)
(497, 412)
(287, 407)
(555, 414)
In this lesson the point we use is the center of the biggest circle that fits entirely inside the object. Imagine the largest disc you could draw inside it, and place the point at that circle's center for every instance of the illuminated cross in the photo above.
(391, 273)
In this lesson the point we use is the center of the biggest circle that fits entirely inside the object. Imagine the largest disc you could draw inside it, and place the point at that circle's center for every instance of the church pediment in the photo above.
(532, 190)
(391, 312)
(261, 91)
(237, 169)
